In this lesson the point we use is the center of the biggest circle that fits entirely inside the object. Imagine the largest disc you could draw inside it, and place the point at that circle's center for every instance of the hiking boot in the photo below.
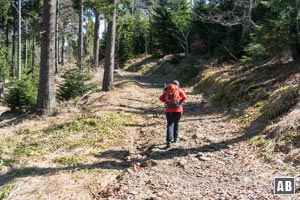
(168, 145)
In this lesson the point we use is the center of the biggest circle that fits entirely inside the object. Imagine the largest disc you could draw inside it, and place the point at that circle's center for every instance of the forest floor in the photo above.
(212, 160)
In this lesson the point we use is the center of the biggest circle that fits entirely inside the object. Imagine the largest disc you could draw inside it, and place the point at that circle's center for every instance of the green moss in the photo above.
(294, 172)
(83, 131)
(259, 104)
(258, 141)
(6, 190)
(69, 160)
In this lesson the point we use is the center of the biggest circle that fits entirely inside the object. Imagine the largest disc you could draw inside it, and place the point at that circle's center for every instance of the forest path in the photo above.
(211, 161)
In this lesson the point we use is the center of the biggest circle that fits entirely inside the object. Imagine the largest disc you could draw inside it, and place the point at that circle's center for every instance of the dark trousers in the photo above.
(173, 125)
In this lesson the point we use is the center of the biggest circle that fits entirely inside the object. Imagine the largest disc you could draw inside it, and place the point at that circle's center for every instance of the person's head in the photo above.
(176, 82)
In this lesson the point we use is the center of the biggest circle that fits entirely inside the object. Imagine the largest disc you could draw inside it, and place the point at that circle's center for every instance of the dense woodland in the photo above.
(38, 38)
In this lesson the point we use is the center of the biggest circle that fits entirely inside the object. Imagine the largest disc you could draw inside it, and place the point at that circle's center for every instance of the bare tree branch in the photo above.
(240, 14)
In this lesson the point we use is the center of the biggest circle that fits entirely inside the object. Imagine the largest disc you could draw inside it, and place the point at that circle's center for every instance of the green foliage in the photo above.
(181, 15)
(255, 53)
(141, 33)
(89, 36)
(163, 27)
(98, 6)
(214, 37)
(133, 36)
(102, 44)
(75, 84)
(22, 96)
(125, 38)
(270, 36)
(6, 190)
(4, 68)
(4, 8)
(170, 25)
(69, 160)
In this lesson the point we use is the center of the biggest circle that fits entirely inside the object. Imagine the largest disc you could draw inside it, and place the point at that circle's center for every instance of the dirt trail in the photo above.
(212, 160)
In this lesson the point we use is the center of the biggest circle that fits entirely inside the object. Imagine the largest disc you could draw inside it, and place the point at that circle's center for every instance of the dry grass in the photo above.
(81, 132)
(258, 95)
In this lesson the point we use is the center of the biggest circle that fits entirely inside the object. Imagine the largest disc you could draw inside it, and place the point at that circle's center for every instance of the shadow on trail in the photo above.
(193, 109)
(120, 162)
(36, 171)
(14, 118)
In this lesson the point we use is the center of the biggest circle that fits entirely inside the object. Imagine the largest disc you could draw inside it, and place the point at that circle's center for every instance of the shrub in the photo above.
(22, 96)
(255, 53)
(75, 84)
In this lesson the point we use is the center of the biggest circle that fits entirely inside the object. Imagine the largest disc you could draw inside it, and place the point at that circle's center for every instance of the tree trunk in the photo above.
(133, 8)
(7, 40)
(80, 36)
(62, 50)
(58, 54)
(248, 19)
(2, 89)
(105, 26)
(26, 48)
(20, 39)
(96, 42)
(146, 45)
(56, 38)
(46, 93)
(13, 50)
(110, 52)
(33, 53)
(295, 43)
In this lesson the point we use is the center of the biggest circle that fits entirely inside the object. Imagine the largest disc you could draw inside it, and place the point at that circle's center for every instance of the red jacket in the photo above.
(182, 99)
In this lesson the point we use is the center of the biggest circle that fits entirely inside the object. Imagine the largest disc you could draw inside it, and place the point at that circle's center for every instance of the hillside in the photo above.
(264, 100)
(111, 145)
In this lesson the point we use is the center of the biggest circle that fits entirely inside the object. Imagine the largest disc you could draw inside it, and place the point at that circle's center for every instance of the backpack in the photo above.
(172, 96)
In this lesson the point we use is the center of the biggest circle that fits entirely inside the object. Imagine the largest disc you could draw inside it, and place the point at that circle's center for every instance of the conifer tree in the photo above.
(163, 27)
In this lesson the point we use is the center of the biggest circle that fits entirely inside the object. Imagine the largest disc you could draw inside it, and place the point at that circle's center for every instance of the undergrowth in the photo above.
(84, 131)
(6, 190)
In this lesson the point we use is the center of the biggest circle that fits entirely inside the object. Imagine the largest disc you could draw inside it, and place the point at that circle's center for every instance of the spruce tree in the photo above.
(163, 27)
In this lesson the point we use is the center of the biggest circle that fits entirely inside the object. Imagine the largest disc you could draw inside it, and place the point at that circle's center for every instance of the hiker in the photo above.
(173, 97)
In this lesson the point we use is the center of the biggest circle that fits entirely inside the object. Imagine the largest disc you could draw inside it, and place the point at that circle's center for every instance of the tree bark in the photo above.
(20, 38)
(110, 52)
(33, 52)
(13, 50)
(62, 50)
(7, 40)
(248, 19)
(58, 54)
(2, 89)
(46, 92)
(147, 41)
(133, 8)
(80, 36)
(294, 41)
(56, 38)
(96, 41)
(26, 48)
(105, 26)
